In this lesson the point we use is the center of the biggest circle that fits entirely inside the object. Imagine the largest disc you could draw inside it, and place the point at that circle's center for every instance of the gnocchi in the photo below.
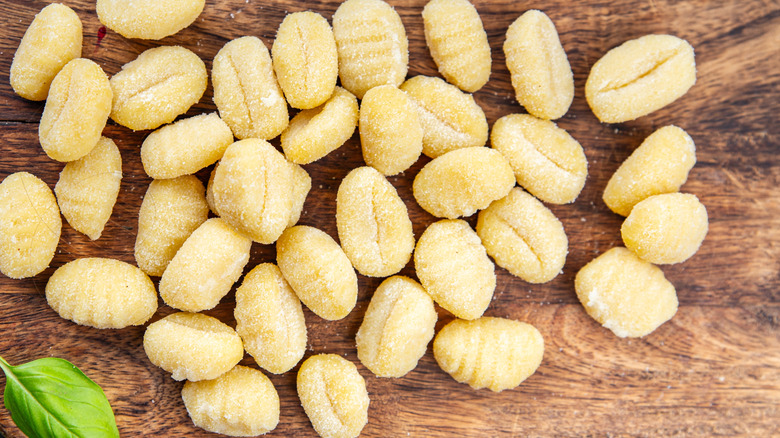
(625, 294)
(53, 39)
(101, 293)
(76, 111)
(318, 271)
(493, 353)
(334, 396)
(148, 19)
(192, 346)
(454, 268)
(30, 225)
(373, 224)
(88, 188)
(397, 327)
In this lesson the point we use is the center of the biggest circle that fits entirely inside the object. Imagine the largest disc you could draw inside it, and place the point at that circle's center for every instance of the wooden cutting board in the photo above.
(714, 369)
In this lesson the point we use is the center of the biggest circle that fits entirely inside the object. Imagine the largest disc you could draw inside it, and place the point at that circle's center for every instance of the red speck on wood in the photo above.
(101, 34)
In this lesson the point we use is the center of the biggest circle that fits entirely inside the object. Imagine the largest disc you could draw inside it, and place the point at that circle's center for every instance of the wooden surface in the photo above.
(713, 370)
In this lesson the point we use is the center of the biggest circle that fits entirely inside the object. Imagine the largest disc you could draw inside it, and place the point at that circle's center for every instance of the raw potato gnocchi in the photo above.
(301, 185)
(246, 92)
(158, 86)
(76, 111)
(390, 130)
(454, 268)
(192, 346)
(666, 229)
(171, 210)
(659, 165)
(541, 74)
(316, 132)
(305, 59)
(88, 188)
(372, 45)
(546, 160)
(640, 76)
(397, 327)
(318, 271)
(148, 19)
(450, 118)
(493, 353)
(463, 181)
(53, 39)
(205, 268)
(269, 319)
(185, 147)
(458, 43)
(253, 189)
(102, 293)
(30, 225)
(373, 223)
(334, 396)
(241, 402)
(524, 237)
(625, 294)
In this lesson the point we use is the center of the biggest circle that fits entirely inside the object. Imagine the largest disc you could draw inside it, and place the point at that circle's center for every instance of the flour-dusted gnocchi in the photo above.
(158, 86)
(458, 42)
(640, 76)
(334, 396)
(205, 268)
(397, 327)
(305, 59)
(246, 92)
(659, 165)
(390, 130)
(148, 19)
(185, 147)
(269, 319)
(316, 132)
(450, 118)
(494, 353)
(192, 346)
(372, 45)
(524, 237)
(53, 39)
(541, 74)
(253, 189)
(667, 228)
(102, 293)
(625, 294)
(88, 188)
(171, 210)
(76, 111)
(30, 225)
(241, 402)
(463, 181)
(454, 268)
(547, 161)
(318, 271)
(373, 224)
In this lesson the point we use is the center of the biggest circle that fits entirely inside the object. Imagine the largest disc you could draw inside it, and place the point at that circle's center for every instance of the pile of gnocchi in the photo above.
(196, 238)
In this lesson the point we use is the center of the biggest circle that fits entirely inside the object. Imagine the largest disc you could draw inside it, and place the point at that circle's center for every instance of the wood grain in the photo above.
(713, 370)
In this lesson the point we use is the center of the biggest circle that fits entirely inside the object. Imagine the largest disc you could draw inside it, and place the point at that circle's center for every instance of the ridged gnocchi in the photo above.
(148, 19)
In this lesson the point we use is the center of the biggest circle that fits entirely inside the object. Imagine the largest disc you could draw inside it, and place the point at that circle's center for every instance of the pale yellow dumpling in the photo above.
(88, 188)
(666, 229)
(454, 268)
(397, 327)
(625, 294)
(192, 346)
(373, 224)
(30, 225)
(493, 353)
(269, 318)
(148, 19)
(241, 402)
(334, 396)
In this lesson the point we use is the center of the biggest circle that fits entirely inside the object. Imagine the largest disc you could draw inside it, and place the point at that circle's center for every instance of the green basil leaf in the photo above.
(52, 398)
